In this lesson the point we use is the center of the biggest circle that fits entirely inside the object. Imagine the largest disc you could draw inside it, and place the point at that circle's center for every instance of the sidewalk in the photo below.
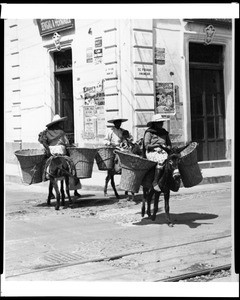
(212, 171)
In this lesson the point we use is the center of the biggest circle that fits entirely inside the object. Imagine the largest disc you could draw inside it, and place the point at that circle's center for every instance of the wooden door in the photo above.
(207, 113)
(64, 102)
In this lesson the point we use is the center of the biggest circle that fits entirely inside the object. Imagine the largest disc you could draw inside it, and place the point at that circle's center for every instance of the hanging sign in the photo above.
(48, 26)
(165, 98)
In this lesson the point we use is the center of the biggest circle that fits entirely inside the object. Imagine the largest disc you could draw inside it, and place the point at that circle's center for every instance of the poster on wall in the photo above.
(94, 111)
(165, 98)
(89, 55)
(159, 56)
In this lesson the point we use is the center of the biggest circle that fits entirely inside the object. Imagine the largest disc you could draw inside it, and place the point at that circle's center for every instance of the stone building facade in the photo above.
(92, 70)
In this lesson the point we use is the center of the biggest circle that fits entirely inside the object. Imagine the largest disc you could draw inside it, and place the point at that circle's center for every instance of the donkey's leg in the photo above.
(62, 192)
(50, 193)
(114, 187)
(149, 199)
(156, 200)
(50, 187)
(67, 189)
(55, 185)
(106, 183)
(167, 208)
(144, 198)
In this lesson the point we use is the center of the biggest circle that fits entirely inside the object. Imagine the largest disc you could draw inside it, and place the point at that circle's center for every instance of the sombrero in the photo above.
(157, 118)
(117, 118)
(56, 119)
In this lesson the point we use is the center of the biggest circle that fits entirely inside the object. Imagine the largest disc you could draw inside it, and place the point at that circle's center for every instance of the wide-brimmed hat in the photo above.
(157, 118)
(117, 118)
(56, 119)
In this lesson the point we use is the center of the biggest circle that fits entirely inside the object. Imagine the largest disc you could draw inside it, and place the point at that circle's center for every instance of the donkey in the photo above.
(58, 169)
(167, 181)
(134, 148)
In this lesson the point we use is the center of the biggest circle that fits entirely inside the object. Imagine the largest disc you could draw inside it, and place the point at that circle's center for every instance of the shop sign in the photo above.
(165, 98)
(48, 26)
(159, 56)
(143, 71)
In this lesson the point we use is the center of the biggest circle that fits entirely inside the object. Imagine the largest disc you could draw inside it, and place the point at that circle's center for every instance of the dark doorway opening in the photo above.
(64, 90)
(207, 100)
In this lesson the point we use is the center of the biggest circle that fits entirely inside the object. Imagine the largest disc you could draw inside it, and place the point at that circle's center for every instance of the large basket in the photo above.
(134, 168)
(83, 159)
(105, 158)
(32, 163)
(188, 166)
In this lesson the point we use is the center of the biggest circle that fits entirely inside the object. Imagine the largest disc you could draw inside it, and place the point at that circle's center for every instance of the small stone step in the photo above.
(215, 164)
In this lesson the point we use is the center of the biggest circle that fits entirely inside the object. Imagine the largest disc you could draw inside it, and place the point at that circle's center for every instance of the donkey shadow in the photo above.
(189, 218)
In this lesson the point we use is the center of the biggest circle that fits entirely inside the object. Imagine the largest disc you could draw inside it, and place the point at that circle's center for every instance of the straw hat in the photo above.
(56, 119)
(157, 118)
(117, 118)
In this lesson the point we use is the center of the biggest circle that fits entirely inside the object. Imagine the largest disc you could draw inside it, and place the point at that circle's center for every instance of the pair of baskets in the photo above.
(32, 162)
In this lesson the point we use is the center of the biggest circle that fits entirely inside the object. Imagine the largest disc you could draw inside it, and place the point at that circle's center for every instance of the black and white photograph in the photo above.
(119, 153)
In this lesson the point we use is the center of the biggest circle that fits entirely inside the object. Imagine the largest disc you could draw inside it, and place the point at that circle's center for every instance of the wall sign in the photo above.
(48, 26)
(165, 98)
(159, 56)
(143, 71)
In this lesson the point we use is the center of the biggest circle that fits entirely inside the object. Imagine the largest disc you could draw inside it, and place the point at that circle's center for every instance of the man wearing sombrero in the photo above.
(114, 135)
(155, 136)
(55, 141)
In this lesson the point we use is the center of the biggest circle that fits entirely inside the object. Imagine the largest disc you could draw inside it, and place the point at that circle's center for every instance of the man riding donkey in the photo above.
(55, 142)
(155, 137)
(121, 139)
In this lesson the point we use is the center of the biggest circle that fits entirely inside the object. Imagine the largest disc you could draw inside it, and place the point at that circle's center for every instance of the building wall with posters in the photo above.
(119, 67)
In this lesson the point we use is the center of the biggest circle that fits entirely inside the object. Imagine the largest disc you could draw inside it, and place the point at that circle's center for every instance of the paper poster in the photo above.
(165, 98)
(94, 110)
(89, 55)
(159, 56)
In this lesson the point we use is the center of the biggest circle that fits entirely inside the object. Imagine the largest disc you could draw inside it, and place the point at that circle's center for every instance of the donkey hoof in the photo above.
(56, 207)
(117, 196)
(77, 194)
(153, 217)
(143, 212)
(170, 224)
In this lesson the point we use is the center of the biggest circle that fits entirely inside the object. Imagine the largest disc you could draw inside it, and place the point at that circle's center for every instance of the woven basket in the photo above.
(188, 166)
(83, 159)
(105, 158)
(32, 163)
(134, 168)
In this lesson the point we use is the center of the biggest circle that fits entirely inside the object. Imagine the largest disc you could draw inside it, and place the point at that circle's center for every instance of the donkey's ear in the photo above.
(180, 149)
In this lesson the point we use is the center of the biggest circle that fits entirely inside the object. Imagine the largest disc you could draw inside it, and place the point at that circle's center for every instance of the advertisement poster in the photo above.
(94, 111)
(165, 99)
(159, 56)
(89, 55)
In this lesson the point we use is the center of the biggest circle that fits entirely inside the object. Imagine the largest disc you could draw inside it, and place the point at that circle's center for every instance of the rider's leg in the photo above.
(158, 171)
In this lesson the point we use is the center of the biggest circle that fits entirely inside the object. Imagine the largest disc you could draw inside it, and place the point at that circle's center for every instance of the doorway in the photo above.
(207, 100)
(64, 90)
